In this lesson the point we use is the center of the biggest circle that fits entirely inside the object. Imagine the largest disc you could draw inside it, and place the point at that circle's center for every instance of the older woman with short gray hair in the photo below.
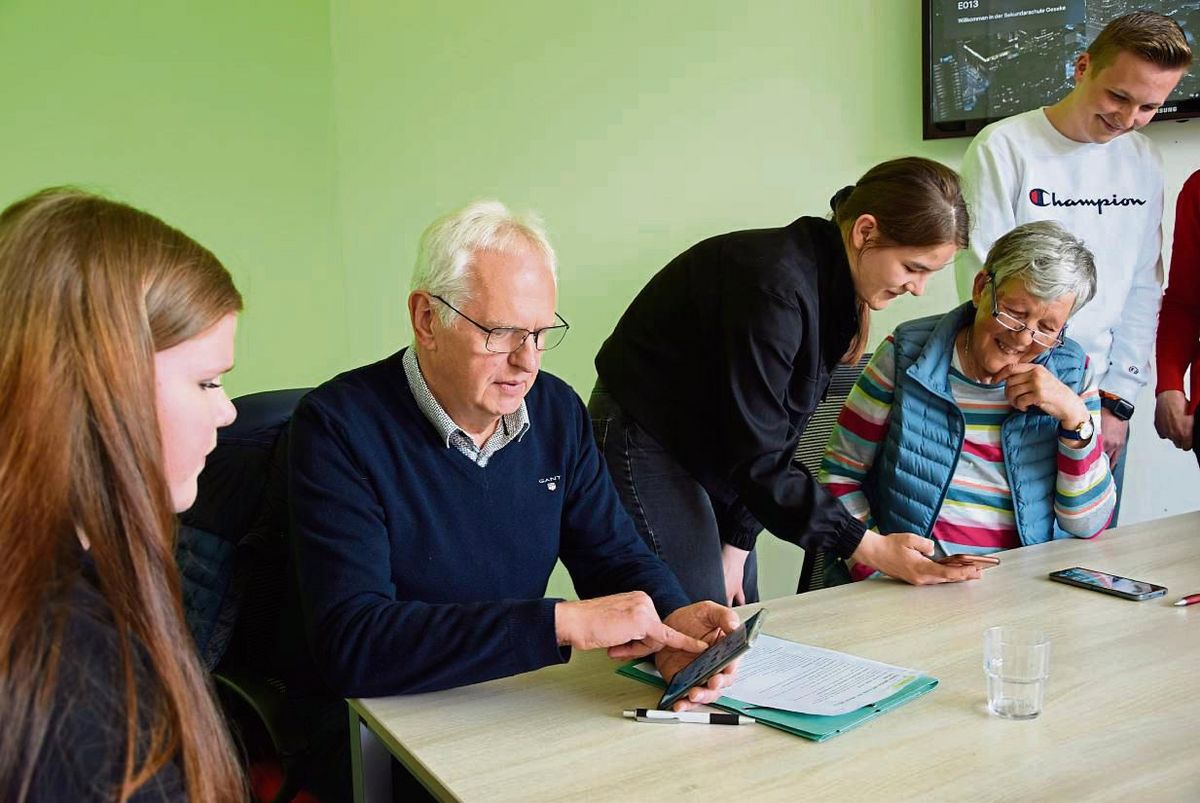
(979, 428)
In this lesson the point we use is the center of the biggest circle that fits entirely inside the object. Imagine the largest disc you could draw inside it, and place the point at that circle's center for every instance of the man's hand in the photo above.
(708, 621)
(626, 624)
(733, 565)
(905, 557)
(1172, 420)
(1028, 385)
(1114, 432)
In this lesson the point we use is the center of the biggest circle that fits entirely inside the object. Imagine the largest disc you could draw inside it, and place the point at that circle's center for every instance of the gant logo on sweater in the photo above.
(551, 483)
(1040, 197)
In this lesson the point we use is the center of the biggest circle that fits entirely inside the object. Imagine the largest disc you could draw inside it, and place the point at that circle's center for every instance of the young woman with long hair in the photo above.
(115, 331)
(711, 375)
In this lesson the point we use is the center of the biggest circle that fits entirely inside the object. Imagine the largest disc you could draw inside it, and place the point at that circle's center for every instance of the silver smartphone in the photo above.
(1106, 583)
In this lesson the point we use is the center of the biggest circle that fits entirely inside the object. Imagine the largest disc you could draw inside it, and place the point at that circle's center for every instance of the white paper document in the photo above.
(777, 673)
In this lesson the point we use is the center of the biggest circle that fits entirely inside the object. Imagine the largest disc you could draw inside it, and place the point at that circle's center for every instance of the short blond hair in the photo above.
(1146, 34)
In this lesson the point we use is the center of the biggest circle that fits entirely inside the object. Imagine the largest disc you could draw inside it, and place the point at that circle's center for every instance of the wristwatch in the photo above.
(1121, 409)
(1084, 433)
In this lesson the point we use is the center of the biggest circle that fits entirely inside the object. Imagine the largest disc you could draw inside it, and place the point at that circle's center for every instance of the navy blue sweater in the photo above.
(418, 570)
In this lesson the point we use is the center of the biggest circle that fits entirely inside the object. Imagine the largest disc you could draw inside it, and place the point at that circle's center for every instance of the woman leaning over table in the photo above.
(115, 332)
(707, 382)
(979, 428)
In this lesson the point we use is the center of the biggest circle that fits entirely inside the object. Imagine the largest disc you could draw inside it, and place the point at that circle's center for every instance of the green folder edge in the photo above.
(809, 726)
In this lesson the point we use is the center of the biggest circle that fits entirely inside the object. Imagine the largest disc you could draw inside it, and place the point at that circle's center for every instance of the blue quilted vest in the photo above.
(914, 466)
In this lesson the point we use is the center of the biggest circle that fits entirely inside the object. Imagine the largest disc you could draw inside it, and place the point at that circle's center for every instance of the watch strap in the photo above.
(1075, 434)
(1120, 408)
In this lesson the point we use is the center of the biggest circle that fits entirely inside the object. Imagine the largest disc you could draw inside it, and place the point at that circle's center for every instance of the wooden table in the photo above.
(1122, 713)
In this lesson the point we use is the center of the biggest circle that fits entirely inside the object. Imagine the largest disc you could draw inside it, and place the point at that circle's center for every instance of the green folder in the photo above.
(810, 726)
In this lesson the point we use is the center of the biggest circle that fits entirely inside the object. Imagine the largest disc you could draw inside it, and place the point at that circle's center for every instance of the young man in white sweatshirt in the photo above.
(1083, 163)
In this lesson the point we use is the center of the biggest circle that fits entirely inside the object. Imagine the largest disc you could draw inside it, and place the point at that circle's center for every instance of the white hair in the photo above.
(448, 248)
(1048, 259)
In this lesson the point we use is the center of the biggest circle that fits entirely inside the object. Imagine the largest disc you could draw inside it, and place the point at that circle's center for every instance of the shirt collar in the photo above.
(515, 424)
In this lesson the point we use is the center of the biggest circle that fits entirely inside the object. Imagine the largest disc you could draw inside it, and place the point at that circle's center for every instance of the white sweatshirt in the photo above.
(1110, 196)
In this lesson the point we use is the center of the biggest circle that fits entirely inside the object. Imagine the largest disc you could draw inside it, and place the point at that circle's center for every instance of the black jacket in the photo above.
(84, 750)
(723, 357)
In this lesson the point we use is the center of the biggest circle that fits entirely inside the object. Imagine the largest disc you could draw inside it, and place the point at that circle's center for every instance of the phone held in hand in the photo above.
(982, 561)
(712, 660)
(1108, 583)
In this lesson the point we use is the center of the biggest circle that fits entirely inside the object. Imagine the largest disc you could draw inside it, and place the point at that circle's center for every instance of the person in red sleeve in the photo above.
(1179, 326)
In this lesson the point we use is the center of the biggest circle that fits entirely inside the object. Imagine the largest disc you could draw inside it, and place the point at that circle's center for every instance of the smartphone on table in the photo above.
(1107, 583)
(712, 660)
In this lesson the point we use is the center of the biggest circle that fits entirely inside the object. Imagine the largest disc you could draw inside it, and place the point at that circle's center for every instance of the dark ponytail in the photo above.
(839, 198)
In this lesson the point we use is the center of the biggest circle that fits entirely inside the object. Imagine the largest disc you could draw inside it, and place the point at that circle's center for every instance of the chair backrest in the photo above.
(810, 450)
(231, 541)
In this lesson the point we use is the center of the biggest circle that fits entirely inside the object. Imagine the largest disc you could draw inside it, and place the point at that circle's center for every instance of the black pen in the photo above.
(696, 717)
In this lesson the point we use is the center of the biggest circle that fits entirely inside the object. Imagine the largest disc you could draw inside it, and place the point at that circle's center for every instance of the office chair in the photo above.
(232, 556)
(821, 569)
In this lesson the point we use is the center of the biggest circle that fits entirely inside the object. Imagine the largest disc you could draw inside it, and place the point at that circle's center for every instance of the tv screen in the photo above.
(989, 59)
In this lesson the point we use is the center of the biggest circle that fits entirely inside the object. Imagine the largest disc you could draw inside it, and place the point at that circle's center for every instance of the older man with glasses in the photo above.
(979, 428)
(432, 493)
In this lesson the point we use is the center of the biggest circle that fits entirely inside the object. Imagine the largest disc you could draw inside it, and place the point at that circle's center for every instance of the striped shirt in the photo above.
(976, 516)
(512, 427)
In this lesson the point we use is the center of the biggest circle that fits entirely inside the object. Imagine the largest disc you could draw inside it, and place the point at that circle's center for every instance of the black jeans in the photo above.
(671, 510)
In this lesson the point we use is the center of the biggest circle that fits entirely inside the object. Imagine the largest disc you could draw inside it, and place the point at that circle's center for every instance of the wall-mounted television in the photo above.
(989, 59)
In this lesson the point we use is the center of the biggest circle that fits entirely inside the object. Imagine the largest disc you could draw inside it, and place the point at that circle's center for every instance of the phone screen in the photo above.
(712, 660)
(1109, 582)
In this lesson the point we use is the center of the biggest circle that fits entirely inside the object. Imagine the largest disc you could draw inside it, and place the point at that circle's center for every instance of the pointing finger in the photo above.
(670, 637)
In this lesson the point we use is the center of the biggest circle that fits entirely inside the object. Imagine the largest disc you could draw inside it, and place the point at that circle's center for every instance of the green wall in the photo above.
(218, 117)
(634, 128)
(309, 142)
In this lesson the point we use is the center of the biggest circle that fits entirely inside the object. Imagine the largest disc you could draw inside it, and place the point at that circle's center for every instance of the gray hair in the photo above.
(1048, 259)
(449, 245)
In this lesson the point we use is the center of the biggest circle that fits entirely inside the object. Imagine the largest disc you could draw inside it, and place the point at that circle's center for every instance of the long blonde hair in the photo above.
(91, 289)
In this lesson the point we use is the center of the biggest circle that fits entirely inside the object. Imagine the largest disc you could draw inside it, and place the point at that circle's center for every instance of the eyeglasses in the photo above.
(507, 339)
(1013, 324)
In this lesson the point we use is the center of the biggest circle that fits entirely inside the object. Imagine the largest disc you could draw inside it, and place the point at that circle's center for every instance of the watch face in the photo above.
(1084, 433)
(1120, 408)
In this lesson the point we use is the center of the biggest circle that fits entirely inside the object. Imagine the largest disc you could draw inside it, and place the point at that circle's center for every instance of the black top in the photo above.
(83, 755)
(723, 358)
